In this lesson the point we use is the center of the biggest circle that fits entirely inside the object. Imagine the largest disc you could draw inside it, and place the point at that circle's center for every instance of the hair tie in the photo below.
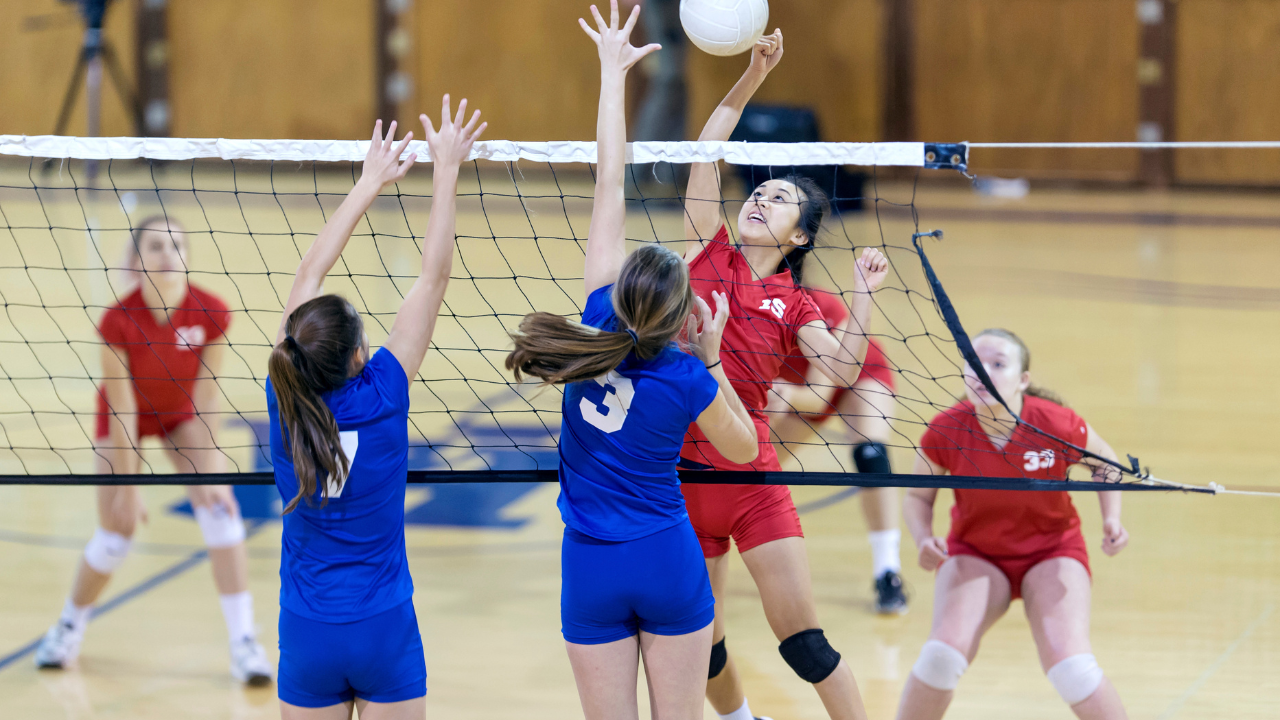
(635, 339)
(288, 339)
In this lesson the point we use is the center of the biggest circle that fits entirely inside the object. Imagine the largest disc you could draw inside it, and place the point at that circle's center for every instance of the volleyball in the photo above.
(724, 27)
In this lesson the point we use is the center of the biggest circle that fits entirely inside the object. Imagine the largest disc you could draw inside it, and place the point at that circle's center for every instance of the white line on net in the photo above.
(910, 154)
(1247, 145)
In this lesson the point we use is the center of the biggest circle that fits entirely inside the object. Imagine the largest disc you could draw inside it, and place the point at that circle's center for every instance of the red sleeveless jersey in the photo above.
(1009, 523)
(764, 316)
(164, 360)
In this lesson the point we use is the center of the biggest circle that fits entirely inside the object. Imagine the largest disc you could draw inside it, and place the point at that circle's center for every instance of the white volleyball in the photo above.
(724, 27)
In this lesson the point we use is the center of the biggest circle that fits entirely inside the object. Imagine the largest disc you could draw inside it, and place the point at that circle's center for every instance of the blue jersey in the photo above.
(620, 438)
(346, 561)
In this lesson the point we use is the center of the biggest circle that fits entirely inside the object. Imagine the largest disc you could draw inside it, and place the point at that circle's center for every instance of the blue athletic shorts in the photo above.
(379, 659)
(612, 590)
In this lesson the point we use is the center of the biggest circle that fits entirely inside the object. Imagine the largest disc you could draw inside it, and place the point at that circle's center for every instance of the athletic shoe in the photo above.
(891, 598)
(59, 647)
(249, 663)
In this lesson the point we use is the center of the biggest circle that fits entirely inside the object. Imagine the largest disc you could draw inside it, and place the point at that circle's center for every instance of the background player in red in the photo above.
(162, 352)
(804, 398)
(770, 317)
(1006, 544)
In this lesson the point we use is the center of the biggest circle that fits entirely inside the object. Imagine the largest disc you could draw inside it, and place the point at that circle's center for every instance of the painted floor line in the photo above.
(1194, 688)
(151, 583)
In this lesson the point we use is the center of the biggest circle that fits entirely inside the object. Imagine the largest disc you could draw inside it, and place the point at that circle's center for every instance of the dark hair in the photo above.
(1032, 390)
(652, 299)
(814, 207)
(321, 336)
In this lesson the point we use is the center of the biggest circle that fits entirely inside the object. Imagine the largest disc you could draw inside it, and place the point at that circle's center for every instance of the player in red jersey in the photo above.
(770, 317)
(1008, 544)
(161, 355)
(803, 399)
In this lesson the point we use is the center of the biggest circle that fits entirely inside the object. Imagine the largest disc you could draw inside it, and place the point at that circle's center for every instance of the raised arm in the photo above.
(725, 421)
(381, 167)
(606, 238)
(1114, 536)
(702, 209)
(840, 356)
(416, 321)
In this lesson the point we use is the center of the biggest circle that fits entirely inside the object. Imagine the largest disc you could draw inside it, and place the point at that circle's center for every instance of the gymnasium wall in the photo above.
(992, 70)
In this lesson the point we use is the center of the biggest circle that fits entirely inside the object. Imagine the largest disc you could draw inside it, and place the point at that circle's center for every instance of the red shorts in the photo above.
(1016, 567)
(150, 424)
(751, 515)
(875, 367)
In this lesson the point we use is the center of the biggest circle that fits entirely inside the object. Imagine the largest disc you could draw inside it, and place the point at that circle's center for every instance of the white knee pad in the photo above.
(1076, 678)
(220, 528)
(940, 665)
(106, 550)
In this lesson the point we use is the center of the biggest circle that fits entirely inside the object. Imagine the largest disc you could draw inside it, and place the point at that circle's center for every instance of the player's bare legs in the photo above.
(1057, 594)
(606, 676)
(724, 691)
(970, 595)
(119, 510)
(867, 411)
(781, 573)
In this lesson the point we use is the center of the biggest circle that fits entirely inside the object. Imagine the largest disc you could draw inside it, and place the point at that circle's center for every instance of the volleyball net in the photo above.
(250, 209)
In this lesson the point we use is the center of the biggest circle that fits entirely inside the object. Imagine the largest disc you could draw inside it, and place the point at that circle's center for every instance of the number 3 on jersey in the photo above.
(350, 440)
(611, 411)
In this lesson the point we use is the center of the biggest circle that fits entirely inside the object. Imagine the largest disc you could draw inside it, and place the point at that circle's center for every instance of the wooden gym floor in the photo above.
(1154, 314)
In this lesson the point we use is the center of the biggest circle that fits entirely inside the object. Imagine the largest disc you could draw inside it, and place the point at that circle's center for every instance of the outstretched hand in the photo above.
(614, 43)
(766, 53)
(705, 343)
(382, 165)
(871, 269)
(451, 144)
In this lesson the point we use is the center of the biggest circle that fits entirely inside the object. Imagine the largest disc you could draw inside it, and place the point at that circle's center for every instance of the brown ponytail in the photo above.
(321, 336)
(1032, 390)
(652, 299)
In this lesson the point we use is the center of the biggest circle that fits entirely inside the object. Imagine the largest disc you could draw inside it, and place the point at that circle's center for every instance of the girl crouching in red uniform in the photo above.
(1009, 544)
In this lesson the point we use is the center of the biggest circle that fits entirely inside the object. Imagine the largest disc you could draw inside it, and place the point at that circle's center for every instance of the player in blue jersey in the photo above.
(339, 446)
(633, 579)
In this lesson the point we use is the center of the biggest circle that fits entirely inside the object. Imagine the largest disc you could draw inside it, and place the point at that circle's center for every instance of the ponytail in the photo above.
(314, 358)
(1045, 394)
(651, 299)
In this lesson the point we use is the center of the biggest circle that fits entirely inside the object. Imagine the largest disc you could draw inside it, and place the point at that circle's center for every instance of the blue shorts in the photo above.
(612, 590)
(378, 659)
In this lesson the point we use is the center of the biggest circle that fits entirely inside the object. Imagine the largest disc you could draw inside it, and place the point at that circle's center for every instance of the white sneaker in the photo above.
(59, 647)
(249, 663)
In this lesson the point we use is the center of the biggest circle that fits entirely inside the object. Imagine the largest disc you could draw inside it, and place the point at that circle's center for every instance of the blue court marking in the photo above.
(151, 583)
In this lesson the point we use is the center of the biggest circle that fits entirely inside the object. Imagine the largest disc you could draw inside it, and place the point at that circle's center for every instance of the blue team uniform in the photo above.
(630, 560)
(347, 623)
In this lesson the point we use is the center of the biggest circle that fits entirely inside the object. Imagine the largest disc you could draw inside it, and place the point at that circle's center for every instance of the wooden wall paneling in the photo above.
(280, 69)
(1030, 70)
(1228, 80)
(40, 41)
(833, 63)
(527, 66)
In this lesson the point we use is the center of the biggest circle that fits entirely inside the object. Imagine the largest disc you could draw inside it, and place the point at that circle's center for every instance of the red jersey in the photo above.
(764, 316)
(164, 360)
(1008, 523)
(835, 313)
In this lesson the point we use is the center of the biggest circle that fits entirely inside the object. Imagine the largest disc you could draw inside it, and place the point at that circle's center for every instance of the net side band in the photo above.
(908, 154)
(695, 477)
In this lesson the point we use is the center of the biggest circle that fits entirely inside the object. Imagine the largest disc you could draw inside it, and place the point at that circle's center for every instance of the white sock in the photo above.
(742, 713)
(77, 617)
(237, 610)
(885, 551)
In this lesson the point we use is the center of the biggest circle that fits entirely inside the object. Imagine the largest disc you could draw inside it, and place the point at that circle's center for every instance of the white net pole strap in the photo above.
(1246, 145)
(1213, 486)
(909, 154)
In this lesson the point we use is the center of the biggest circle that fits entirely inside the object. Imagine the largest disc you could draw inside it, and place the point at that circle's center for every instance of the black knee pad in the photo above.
(719, 656)
(810, 655)
(871, 457)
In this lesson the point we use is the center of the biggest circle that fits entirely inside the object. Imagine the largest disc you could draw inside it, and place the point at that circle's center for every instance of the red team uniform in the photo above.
(164, 360)
(1013, 530)
(875, 366)
(764, 316)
